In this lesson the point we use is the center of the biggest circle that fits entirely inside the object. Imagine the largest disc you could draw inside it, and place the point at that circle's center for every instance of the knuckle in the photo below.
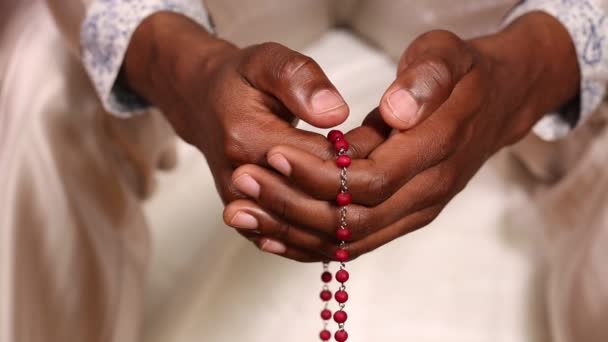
(480, 81)
(379, 187)
(442, 147)
(446, 36)
(444, 55)
(291, 64)
(243, 169)
(447, 184)
(431, 39)
(467, 134)
(363, 224)
(279, 206)
(282, 231)
(453, 133)
(438, 39)
(234, 151)
(433, 35)
(437, 73)
(227, 190)
(355, 150)
(260, 52)
(260, 55)
(447, 140)
(431, 215)
(237, 148)
(270, 47)
(325, 152)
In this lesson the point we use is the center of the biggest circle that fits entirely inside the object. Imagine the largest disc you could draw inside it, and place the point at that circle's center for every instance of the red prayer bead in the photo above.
(343, 161)
(344, 234)
(335, 135)
(341, 296)
(326, 277)
(341, 145)
(344, 198)
(325, 335)
(340, 316)
(342, 276)
(326, 314)
(325, 295)
(341, 336)
(342, 255)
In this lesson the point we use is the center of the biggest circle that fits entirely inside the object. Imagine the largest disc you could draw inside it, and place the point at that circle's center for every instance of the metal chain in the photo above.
(343, 225)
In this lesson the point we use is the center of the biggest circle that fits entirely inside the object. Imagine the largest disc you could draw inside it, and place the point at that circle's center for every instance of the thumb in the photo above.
(371, 134)
(297, 81)
(429, 70)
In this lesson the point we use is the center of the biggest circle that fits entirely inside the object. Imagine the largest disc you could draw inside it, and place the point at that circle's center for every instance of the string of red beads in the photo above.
(325, 296)
(343, 235)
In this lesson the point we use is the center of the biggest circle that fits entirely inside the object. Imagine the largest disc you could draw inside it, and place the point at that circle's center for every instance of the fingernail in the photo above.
(403, 106)
(243, 220)
(325, 100)
(272, 246)
(247, 185)
(280, 164)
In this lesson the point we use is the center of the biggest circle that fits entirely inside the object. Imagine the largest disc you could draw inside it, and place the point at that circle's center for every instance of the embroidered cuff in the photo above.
(586, 22)
(104, 38)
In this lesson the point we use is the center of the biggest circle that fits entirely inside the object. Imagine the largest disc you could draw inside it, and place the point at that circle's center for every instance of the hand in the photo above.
(234, 105)
(456, 103)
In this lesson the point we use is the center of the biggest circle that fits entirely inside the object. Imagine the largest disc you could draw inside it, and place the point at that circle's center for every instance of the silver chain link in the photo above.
(343, 225)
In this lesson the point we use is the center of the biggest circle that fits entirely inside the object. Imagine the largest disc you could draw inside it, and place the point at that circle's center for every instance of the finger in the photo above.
(247, 215)
(276, 247)
(406, 225)
(253, 148)
(275, 195)
(322, 184)
(297, 81)
(428, 72)
(371, 181)
(365, 138)
(299, 255)
(222, 177)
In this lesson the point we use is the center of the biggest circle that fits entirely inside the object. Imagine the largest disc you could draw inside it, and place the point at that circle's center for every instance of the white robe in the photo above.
(74, 244)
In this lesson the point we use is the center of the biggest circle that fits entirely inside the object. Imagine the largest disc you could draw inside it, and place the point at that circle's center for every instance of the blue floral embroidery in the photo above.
(586, 22)
(104, 38)
(595, 43)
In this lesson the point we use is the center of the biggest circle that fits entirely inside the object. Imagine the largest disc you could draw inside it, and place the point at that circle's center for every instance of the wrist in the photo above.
(534, 69)
(165, 52)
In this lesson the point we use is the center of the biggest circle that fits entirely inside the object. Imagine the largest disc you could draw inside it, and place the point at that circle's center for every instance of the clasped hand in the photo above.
(433, 129)
(453, 104)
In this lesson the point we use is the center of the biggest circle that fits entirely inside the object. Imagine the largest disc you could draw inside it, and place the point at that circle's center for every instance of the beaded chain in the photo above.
(343, 234)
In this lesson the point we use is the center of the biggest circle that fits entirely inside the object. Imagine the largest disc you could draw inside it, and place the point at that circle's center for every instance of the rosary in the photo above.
(343, 234)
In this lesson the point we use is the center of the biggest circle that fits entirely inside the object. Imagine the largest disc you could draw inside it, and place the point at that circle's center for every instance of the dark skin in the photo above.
(453, 104)
(233, 104)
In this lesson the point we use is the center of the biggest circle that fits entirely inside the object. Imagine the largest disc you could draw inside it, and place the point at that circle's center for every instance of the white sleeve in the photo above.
(104, 38)
(587, 24)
